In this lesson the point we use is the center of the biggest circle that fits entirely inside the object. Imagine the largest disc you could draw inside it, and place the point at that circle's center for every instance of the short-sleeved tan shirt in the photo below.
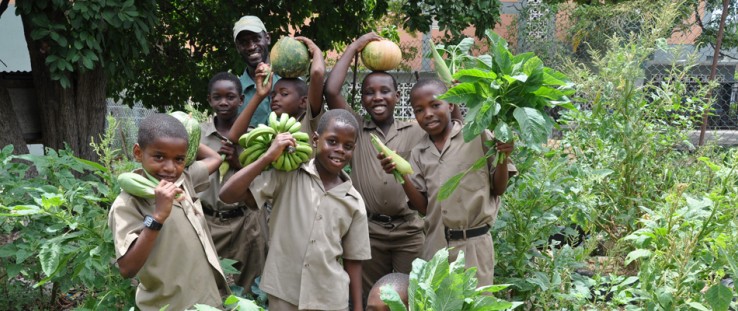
(311, 230)
(182, 268)
(209, 197)
(381, 193)
(471, 205)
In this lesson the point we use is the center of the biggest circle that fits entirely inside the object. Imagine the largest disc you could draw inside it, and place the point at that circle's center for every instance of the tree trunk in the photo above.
(9, 126)
(72, 115)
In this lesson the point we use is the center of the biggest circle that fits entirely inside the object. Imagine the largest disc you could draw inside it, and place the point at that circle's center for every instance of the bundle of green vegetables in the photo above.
(505, 93)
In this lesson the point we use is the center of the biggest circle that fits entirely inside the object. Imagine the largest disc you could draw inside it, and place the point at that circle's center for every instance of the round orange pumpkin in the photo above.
(381, 55)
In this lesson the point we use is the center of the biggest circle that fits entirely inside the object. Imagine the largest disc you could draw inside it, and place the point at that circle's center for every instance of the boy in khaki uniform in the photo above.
(158, 239)
(395, 230)
(463, 220)
(318, 220)
(238, 231)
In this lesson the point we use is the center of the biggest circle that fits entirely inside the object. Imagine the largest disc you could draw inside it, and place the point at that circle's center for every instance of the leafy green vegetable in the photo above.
(437, 285)
(505, 94)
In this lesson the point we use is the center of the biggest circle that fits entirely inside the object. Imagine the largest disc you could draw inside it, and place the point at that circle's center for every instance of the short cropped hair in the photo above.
(160, 125)
(340, 115)
(380, 73)
(228, 77)
(398, 281)
(431, 81)
(300, 85)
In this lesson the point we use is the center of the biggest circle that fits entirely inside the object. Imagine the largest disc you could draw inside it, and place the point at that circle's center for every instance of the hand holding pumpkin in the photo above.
(311, 46)
(362, 41)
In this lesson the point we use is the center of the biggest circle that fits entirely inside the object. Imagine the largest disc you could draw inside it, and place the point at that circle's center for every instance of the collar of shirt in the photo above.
(346, 188)
(208, 127)
(455, 130)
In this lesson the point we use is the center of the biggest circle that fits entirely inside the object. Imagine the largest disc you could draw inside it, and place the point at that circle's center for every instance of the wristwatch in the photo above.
(151, 223)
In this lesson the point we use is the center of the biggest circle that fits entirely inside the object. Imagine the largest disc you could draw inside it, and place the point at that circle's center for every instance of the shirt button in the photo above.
(312, 241)
(320, 217)
(445, 212)
(385, 202)
(307, 265)
(385, 182)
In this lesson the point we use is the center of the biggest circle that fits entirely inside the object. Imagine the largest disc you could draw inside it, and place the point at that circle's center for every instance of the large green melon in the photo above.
(289, 58)
(193, 133)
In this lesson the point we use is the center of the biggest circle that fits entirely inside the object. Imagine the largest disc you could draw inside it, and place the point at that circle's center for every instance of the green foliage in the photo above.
(62, 215)
(452, 16)
(505, 93)
(439, 286)
(82, 35)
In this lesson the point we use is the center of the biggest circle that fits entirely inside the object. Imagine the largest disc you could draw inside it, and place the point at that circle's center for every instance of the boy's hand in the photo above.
(387, 165)
(262, 71)
(165, 193)
(312, 48)
(278, 145)
(505, 147)
(365, 39)
(229, 151)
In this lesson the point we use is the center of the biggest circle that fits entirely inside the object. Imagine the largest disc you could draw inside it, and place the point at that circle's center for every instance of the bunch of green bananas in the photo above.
(257, 142)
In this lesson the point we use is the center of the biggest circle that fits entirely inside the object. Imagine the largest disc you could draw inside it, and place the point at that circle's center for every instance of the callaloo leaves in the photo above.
(507, 94)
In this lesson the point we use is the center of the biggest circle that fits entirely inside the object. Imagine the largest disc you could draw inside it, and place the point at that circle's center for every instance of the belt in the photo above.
(383, 218)
(228, 214)
(463, 234)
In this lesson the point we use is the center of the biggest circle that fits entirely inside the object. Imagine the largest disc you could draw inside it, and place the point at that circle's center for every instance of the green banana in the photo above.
(295, 127)
(279, 163)
(137, 185)
(273, 119)
(254, 156)
(290, 122)
(282, 122)
(302, 156)
(253, 134)
(254, 147)
(304, 148)
(242, 158)
(301, 136)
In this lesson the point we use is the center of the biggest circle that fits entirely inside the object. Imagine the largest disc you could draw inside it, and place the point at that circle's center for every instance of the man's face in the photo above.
(253, 47)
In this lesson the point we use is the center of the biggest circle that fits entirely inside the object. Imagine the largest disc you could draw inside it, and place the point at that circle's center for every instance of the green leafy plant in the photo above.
(439, 286)
(506, 93)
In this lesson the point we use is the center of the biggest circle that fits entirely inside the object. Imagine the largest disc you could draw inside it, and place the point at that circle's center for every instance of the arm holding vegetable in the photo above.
(501, 174)
(233, 190)
(131, 262)
(338, 74)
(241, 125)
(317, 72)
(416, 200)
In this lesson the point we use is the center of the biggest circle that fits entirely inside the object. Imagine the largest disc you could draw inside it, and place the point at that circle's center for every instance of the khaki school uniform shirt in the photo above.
(471, 205)
(182, 268)
(311, 230)
(209, 197)
(381, 193)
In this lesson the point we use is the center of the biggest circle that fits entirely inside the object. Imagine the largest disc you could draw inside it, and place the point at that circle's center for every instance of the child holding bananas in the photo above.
(318, 218)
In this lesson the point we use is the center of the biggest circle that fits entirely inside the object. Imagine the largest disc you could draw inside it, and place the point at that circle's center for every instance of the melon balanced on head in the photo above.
(381, 55)
(289, 58)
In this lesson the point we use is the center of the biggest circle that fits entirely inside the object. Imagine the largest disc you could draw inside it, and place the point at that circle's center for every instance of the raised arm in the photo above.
(317, 75)
(236, 189)
(209, 157)
(241, 125)
(338, 75)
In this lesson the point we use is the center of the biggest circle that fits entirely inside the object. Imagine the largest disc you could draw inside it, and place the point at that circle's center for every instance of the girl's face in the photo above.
(379, 96)
(225, 99)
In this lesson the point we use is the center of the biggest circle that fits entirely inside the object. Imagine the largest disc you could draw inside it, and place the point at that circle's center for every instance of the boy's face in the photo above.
(225, 99)
(379, 96)
(335, 146)
(286, 99)
(253, 47)
(163, 158)
(433, 115)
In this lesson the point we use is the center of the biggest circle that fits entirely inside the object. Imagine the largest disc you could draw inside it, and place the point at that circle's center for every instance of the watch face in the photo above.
(148, 221)
(151, 223)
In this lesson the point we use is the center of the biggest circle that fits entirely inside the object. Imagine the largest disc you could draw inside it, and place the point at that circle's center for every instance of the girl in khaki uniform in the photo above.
(318, 220)
(462, 221)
